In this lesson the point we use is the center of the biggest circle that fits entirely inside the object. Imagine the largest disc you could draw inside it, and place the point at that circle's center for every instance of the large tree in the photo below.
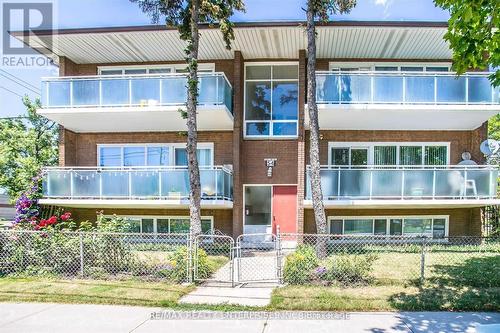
(474, 35)
(27, 143)
(318, 9)
(186, 16)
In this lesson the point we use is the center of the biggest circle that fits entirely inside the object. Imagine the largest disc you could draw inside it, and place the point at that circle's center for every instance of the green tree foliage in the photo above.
(26, 145)
(474, 35)
(494, 127)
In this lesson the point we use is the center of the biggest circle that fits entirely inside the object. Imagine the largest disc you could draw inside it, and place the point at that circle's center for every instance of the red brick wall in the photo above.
(462, 221)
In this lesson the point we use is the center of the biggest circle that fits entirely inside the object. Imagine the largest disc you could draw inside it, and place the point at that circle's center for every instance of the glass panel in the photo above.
(436, 69)
(110, 156)
(355, 88)
(258, 205)
(285, 72)
(148, 226)
(354, 183)
(449, 183)
(175, 184)
(418, 183)
(135, 71)
(208, 89)
(258, 128)
(86, 92)
(478, 184)
(114, 183)
(285, 129)
(115, 92)
(133, 156)
(380, 227)
(173, 90)
(159, 70)
(207, 180)
(386, 183)
(146, 92)
(359, 156)
(364, 226)
(258, 72)
(86, 184)
(340, 156)
(111, 72)
(439, 228)
(162, 226)
(59, 93)
(204, 156)
(386, 68)
(436, 155)
(411, 69)
(58, 184)
(179, 225)
(145, 183)
(419, 89)
(327, 88)
(450, 89)
(385, 155)
(258, 101)
(417, 226)
(285, 101)
(206, 226)
(329, 184)
(387, 89)
(396, 227)
(336, 227)
(158, 156)
(410, 155)
(479, 90)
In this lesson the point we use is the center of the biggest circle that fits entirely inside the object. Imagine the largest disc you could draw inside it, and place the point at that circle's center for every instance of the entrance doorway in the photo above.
(269, 206)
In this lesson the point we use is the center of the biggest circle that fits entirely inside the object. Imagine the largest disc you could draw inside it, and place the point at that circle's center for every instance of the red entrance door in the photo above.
(285, 208)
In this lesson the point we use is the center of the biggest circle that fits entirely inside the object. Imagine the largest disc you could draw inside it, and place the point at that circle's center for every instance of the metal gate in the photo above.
(258, 258)
(214, 245)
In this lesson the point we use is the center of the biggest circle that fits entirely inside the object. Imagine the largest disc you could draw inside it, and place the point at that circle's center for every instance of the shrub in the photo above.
(300, 264)
(350, 269)
(175, 269)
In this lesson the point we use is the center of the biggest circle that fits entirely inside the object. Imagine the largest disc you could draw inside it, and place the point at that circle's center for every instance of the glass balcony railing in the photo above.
(407, 182)
(404, 88)
(133, 90)
(135, 183)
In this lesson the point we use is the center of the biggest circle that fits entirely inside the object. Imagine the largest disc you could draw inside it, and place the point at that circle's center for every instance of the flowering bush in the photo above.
(27, 208)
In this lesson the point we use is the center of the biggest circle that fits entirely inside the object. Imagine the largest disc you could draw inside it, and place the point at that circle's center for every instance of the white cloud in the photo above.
(381, 2)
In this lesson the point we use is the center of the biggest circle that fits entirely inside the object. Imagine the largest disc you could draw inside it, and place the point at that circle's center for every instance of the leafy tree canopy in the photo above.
(26, 145)
(474, 35)
(324, 8)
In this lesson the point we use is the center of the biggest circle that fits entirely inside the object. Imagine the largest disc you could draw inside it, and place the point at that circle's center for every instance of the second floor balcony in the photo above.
(405, 100)
(134, 187)
(407, 186)
(152, 102)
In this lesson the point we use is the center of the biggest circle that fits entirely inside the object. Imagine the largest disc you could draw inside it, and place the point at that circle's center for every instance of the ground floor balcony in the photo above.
(407, 186)
(135, 187)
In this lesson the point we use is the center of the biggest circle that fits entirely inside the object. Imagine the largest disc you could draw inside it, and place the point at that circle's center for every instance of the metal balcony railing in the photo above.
(134, 183)
(407, 182)
(133, 90)
(364, 87)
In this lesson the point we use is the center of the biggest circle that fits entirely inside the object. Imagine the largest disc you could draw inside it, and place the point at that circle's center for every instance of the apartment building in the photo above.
(400, 134)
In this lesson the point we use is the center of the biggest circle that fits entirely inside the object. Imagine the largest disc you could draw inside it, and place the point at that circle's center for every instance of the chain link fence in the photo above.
(386, 260)
(299, 259)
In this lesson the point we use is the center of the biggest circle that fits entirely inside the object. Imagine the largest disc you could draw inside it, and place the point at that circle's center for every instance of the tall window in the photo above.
(165, 224)
(151, 155)
(271, 100)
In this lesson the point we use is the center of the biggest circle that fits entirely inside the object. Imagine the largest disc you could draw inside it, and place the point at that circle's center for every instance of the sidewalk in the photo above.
(35, 317)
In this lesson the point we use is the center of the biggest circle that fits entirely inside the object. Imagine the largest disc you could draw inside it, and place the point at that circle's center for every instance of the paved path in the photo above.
(33, 317)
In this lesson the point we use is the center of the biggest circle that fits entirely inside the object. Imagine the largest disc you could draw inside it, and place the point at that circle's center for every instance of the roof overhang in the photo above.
(279, 40)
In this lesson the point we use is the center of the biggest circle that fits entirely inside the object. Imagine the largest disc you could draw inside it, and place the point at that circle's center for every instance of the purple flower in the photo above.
(320, 271)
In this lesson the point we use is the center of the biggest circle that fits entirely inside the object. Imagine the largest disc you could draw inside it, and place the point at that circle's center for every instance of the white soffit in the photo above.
(141, 45)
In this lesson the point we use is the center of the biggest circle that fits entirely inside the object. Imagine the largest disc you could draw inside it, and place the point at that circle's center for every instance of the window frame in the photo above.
(370, 66)
(171, 157)
(371, 150)
(388, 218)
(204, 67)
(155, 219)
(270, 121)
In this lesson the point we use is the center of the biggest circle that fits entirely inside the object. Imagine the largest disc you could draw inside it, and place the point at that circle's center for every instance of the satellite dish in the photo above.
(489, 147)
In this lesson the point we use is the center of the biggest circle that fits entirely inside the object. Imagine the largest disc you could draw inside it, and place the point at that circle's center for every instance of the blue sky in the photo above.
(104, 13)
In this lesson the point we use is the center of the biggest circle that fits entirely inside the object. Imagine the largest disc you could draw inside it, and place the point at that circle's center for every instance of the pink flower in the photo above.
(52, 220)
(66, 216)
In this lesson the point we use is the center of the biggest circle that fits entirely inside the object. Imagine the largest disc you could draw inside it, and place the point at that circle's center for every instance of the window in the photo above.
(173, 224)
(151, 155)
(432, 226)
(152, 69)
(271, 100)
(387, 66)
(407, 153)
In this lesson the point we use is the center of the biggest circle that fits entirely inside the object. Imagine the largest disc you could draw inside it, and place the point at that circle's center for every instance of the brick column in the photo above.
(301, 143)
(67, 147)
(238, 76)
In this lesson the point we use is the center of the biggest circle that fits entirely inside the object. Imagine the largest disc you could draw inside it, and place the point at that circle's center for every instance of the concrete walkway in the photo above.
(33, 317)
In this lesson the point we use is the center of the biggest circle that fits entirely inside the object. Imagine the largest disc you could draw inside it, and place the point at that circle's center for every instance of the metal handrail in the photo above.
(134, 168)
(408, 167)
(406, 73)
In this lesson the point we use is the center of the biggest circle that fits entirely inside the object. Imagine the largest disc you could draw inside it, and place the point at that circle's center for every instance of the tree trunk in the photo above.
(192, 135)
(314, 171)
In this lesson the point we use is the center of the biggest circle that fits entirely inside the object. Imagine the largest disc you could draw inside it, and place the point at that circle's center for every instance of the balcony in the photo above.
(134, 187)
(407, 186)
(404, 100)
(110, 103)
